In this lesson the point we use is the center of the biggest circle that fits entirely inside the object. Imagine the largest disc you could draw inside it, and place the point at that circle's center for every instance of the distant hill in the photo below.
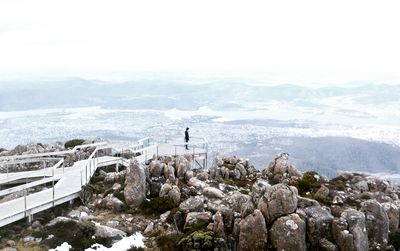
(166, 94)
(328, 155)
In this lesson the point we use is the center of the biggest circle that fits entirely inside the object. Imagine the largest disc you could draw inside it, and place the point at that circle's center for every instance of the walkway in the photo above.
(66, 182)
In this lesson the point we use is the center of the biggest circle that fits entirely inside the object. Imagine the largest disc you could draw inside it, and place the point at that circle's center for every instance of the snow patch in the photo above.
(63, 247)
(135, 240)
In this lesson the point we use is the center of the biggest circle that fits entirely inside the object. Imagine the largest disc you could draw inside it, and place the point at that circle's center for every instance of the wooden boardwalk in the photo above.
(66, 183)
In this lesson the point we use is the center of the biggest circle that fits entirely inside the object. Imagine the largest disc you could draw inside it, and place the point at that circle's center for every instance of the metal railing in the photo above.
(143, 150)
(89, 166)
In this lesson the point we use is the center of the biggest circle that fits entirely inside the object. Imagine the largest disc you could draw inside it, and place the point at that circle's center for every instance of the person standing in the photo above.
(187, 138)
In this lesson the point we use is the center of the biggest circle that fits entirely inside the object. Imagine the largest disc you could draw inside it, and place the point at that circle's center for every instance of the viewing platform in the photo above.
(63, 184)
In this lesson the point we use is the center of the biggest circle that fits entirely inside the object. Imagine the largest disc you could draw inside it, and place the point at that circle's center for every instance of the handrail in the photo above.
(33, 204)
(55, 153)
(170, 137)
(53, 178)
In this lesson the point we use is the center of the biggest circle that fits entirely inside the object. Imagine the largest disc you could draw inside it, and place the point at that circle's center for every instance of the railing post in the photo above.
(25, 203)
(86, 173)
(194, 162)
(53, 187)
(157, 152)
(90, 168)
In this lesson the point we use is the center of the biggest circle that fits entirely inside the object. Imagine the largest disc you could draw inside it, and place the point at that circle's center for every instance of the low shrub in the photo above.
(394, 240)
(157, 205)
(77, 234)
(74, 142)
(201, 240)
(307, 184)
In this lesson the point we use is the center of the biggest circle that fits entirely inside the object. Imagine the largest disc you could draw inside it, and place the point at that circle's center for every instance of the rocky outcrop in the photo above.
(231, 168)
(232, 206)
(135, 184)
(281, 169)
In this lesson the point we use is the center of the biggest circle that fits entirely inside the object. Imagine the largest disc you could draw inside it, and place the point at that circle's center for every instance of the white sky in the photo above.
(315, 40)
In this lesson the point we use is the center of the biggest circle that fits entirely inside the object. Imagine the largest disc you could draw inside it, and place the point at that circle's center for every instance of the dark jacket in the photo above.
(186, 136)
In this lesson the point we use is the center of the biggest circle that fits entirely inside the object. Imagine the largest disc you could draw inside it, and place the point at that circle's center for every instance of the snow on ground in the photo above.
(63, 247)
(135, 240)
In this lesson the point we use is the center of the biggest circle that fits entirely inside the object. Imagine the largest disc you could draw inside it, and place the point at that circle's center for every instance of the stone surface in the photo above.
(135, 184)
(319, 224)
(277, 201)
(350, 231)
(258, 189)
(219, 226)
(281, 168)
(212, 192)
(289, 233)
(253, 234)
(193, 204)
(175, 194)
(108, 232)
(377, 223)
(393, 212)
(197, 218)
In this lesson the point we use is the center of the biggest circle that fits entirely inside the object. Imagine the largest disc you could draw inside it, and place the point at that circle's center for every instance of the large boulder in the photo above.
(182, 165)
(350, 231)
(236, 200)
(198, 184)
(247, 208)
(289, 233)
(218, 225)
(108, 232)
(319, 223)
(135, 184)
(212, 192)
(156, 169)
(253, 234)
(277, 201)
(393, 213)
(258, 189)
(175, 194)
(377, 223)
(165, 188)
(193, 204)
(112, 203)
(196, 219)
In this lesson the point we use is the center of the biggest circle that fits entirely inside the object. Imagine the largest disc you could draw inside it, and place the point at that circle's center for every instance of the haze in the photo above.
(308, 41)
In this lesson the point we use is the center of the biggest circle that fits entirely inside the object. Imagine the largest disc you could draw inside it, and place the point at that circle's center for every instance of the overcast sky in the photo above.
(305, 40)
